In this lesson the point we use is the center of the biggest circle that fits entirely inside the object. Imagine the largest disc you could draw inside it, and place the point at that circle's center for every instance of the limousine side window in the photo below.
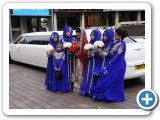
(37, 40)
(129, 40)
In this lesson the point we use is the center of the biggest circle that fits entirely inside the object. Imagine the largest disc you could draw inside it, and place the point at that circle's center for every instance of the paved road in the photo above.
(27, 91)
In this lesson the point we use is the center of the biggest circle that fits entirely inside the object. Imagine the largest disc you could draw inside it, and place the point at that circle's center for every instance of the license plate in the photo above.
(139, 67)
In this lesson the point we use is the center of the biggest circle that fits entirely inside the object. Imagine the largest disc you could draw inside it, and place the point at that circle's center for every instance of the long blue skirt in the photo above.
(110, 87)
(49, 73)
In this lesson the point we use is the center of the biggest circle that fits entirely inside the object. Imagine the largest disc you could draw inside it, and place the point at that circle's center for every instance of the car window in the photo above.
(129, 40)
(60, 37)
(37, 40)
(20, 40)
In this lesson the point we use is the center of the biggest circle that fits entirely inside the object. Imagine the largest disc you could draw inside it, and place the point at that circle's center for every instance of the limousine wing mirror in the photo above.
(14, 42)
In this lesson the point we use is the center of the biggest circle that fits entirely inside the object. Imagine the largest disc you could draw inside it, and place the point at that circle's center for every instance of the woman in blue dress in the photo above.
(67, 37)
(54, 39)
(59, 79)
(108, 36)
(110, 86)
(95, 59)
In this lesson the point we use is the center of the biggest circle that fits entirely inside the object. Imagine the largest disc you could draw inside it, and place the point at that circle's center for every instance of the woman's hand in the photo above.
(77, 53)
(100, 51)
(48, 55)
(55, 69)
(89, 53)
(73, 42)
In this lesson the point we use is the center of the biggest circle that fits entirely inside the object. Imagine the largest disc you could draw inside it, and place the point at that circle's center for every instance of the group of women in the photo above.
(98, 72)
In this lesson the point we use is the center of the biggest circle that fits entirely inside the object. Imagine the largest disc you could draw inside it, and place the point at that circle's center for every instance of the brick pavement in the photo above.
(27, 91)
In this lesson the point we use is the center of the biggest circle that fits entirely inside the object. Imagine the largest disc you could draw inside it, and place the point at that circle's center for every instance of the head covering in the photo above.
(51, 39)
(65, 30)
(110, 36)
(83, 37)
(78, 29)
(97, 35)
(81, 42)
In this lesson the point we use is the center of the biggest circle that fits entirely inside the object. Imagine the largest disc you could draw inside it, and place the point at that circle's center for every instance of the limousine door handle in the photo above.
(17, 48)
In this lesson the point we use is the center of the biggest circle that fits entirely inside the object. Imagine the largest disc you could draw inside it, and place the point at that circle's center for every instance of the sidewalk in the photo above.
(27, 91)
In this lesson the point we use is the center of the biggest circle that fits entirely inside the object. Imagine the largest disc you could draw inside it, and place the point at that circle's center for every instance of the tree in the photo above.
(44, 22)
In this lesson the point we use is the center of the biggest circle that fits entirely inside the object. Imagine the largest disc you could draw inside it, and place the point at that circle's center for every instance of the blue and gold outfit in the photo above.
(61, 84)
(50, 70)
(68, 55)
(95, 59)
(110, 86)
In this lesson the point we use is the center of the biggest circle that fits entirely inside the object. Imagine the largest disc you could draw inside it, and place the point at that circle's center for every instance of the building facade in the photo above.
(32, 20)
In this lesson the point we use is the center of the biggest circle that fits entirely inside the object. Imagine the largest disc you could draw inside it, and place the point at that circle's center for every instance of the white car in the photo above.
(30, 48)
(139, 38)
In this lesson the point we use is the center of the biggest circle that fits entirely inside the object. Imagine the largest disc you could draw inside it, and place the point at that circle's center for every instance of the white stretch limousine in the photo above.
(30, 48)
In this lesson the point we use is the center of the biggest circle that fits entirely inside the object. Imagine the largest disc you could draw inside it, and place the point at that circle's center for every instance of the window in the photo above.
(60, 37)
(129, 40)
(97, 19)
(15, 22)
(38, 40)
(35, 40)
(143, 15)
(20, 40)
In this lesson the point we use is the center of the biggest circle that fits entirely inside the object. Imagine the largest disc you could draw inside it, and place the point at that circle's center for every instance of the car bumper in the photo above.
(132, 73)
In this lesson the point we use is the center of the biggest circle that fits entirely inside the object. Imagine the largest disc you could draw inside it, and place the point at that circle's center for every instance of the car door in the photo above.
(34, 52)
(15, 49)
